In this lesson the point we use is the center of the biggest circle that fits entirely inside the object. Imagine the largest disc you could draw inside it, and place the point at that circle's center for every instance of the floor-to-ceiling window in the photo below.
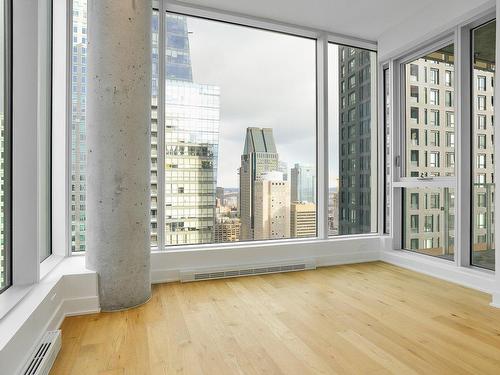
(352, 195)
(429, 153)
(482, 145)
(239, 134)
(78, 106)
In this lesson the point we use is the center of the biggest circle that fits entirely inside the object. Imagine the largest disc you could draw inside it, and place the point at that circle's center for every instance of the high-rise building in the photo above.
(191, 144)
(78, 134)
(259, 156)
(357, 144)
(303, 183)
(302, 219)
(272, 207)
(219, 196)
(430, 152)
(333, 213)
(227, 230)
(283, 168)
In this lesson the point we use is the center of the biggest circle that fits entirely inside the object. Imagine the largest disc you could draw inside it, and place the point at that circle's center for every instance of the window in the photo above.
(448, 98)
(481, 141)
(450, 119)
(434, 76)
(352, 201)
(78, 125)
(414, 93)
(434, 138)
(207, 115)
(414, 201)
(269, 190)
(481, 103)
(434, 159)
(481, 122)
(435, 210)
(450, 160)
(450, 139)
(448, 78)
(483, 187)
(5, 144)
(45, 126)
(387, 159)
(422, 155)
(434, 97)
(481, 83)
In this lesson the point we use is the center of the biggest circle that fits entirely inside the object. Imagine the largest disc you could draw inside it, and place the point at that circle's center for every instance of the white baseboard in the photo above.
(73, 307)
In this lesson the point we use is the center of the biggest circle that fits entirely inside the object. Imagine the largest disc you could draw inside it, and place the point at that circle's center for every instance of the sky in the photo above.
(266, 79)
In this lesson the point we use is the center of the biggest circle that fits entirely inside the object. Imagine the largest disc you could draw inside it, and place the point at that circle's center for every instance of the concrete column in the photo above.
(118, 150)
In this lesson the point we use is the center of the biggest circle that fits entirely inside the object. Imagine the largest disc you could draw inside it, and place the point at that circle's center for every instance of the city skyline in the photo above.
(268, 101)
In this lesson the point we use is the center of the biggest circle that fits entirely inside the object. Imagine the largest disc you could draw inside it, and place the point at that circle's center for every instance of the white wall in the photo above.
(166, 266)
(441, 16)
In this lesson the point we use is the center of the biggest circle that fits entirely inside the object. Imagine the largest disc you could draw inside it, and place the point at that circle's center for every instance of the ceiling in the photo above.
(366, 19)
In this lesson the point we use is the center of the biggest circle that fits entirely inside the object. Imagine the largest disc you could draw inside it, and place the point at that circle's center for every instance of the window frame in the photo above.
(8, 105)
(322, 38)
(461, 182)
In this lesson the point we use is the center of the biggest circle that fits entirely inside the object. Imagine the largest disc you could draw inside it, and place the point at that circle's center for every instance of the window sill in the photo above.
(11, 297)
(259, 244)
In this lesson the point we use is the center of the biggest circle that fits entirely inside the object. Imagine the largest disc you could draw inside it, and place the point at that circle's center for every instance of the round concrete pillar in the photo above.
(118, 150)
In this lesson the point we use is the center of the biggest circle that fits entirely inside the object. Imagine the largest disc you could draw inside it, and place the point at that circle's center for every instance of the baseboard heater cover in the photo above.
(246, 270)
(43, 356)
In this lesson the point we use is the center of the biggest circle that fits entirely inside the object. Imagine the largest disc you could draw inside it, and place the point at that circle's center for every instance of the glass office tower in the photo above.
(357, 144)
(191, 144)
(78, 142)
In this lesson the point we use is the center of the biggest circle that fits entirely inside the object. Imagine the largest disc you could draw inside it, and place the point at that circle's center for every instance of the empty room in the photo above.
(249, 187)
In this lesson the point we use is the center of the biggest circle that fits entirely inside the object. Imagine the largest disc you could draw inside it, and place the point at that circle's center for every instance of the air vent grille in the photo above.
(204, 274)
(42, 358)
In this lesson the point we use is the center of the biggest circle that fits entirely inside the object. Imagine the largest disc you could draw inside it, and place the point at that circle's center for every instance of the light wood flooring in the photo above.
(371, 318)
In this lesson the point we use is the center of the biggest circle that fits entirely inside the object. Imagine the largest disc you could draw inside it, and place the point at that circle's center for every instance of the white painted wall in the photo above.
(166, 266)
(68, 290)
(423, 25)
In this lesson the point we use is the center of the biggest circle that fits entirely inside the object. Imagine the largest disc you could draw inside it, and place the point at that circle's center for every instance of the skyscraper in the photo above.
(227, 230)
(272, 207)
(78, 134)
(259, 156)
(302, 219)
(357, 144)
(430, 152)
(191, 144)
(303, 180)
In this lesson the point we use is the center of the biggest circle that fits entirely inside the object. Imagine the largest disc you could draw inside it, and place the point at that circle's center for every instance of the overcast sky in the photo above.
(266, 80)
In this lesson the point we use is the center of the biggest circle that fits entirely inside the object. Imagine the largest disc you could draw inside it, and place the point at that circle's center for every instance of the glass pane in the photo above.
(155, 75)
(4, 171)
(45, 125)
(387, 158)
(78, 144)
(429, 221)
(483, 133)
(430, 114)
(352, 200)
(237, 117)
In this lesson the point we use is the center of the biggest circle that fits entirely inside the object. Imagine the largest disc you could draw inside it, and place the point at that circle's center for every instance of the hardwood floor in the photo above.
(371, 318)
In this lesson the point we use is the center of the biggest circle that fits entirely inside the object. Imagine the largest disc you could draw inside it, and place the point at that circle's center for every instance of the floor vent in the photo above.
(41, 360)
(208, 274)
